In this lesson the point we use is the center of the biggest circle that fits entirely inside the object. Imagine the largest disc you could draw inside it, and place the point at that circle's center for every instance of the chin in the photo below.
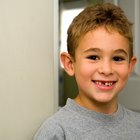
(106, 99)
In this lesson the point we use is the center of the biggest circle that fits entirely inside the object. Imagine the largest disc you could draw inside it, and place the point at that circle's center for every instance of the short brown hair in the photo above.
(106, 15)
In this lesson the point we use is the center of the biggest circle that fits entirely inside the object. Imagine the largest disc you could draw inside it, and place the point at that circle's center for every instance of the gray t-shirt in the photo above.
(73, 122)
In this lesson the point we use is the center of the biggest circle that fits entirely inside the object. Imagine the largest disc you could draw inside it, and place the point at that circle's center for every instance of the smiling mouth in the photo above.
(104, 83)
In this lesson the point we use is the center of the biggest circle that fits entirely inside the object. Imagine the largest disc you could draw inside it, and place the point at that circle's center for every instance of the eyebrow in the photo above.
(92, 50)
(98, 50)
(121, 51)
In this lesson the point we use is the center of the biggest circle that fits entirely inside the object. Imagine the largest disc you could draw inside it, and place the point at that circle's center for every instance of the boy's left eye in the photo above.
(118, 58)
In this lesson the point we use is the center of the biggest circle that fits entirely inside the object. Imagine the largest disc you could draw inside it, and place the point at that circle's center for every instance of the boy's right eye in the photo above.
(93, 57)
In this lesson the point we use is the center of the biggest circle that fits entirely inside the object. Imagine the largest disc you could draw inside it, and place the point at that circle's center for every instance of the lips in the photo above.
(104, 85)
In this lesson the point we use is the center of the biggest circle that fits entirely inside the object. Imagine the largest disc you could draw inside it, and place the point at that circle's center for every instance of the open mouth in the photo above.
(103, 84)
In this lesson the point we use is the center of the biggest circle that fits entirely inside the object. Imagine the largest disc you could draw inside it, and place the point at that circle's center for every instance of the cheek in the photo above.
(83, 71)
(123, 73)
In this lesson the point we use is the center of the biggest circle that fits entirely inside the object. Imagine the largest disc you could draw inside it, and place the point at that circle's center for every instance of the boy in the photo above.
(100, 56)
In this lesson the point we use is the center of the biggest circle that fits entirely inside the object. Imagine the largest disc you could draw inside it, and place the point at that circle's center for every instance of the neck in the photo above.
(101, 107)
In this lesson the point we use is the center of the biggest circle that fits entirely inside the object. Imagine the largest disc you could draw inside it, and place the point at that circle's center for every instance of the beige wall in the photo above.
(26, 67)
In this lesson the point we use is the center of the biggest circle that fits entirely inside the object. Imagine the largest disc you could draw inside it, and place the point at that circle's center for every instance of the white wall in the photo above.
(26, 67)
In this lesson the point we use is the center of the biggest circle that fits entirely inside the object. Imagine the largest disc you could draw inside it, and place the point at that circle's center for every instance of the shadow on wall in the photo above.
(68, 88)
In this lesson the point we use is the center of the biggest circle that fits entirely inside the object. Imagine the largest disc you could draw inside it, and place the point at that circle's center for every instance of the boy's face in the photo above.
(101, 65)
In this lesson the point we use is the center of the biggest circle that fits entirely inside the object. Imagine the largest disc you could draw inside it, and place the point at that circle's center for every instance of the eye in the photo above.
(93, 57)
(118, 58)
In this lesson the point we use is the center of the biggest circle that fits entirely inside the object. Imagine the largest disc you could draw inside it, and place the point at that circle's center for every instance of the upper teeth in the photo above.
(104, 83)
(109, 83)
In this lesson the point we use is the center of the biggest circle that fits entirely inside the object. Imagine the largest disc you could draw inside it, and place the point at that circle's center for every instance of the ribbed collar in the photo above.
(101, 117)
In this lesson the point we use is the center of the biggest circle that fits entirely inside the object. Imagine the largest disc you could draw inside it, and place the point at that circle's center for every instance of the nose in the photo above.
(106, 67)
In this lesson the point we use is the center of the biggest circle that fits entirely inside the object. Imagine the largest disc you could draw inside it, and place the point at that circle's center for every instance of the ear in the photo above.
(67, 62)
(132, 64)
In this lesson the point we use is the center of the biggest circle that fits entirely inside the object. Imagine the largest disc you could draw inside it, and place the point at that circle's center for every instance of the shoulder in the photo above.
(50, 129)
(132, 116)
(53, 127)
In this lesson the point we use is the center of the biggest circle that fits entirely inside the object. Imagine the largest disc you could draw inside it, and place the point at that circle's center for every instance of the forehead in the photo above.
(104, 40)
